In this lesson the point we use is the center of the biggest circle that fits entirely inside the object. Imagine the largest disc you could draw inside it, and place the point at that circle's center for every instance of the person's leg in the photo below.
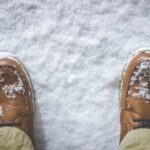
(135, 103)
(14, 139)
(138, 139)
(16, 105)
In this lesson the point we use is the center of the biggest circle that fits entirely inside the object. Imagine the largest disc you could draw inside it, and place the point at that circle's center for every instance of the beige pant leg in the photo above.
(14, 139)
(138, 139)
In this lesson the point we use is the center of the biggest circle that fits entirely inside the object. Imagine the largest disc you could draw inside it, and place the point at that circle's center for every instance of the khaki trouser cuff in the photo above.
(13, 138)
(138, 138)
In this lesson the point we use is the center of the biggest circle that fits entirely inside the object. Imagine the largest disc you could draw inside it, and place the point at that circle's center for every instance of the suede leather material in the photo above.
(20, 109)
(132, 107)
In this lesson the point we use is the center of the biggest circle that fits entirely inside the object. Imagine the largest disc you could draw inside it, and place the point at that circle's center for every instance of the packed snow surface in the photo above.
(75, 51)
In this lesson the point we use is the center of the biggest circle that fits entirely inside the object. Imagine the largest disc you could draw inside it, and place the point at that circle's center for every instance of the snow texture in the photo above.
(1, 111)
(141, 75)
(75, 51)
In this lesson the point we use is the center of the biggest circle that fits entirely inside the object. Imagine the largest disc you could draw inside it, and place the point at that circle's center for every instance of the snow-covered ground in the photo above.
(75, 51)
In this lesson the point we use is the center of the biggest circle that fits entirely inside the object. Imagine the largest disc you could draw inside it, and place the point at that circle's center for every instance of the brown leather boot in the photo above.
(135, 93)
(16, 96)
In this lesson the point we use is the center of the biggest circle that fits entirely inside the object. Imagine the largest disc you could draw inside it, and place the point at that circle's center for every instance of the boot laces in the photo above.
(145, 123)
(10, 124)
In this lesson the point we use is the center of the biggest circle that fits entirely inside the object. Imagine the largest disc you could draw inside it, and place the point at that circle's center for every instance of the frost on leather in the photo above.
(140, 81)
(16, 88)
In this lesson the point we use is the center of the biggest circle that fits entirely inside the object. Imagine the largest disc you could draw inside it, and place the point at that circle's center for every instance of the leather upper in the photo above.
(16, 107)
(134, 105)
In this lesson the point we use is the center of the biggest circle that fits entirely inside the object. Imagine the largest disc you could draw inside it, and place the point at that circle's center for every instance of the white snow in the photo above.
(1, 111)
(75, 51)
(1, 78)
